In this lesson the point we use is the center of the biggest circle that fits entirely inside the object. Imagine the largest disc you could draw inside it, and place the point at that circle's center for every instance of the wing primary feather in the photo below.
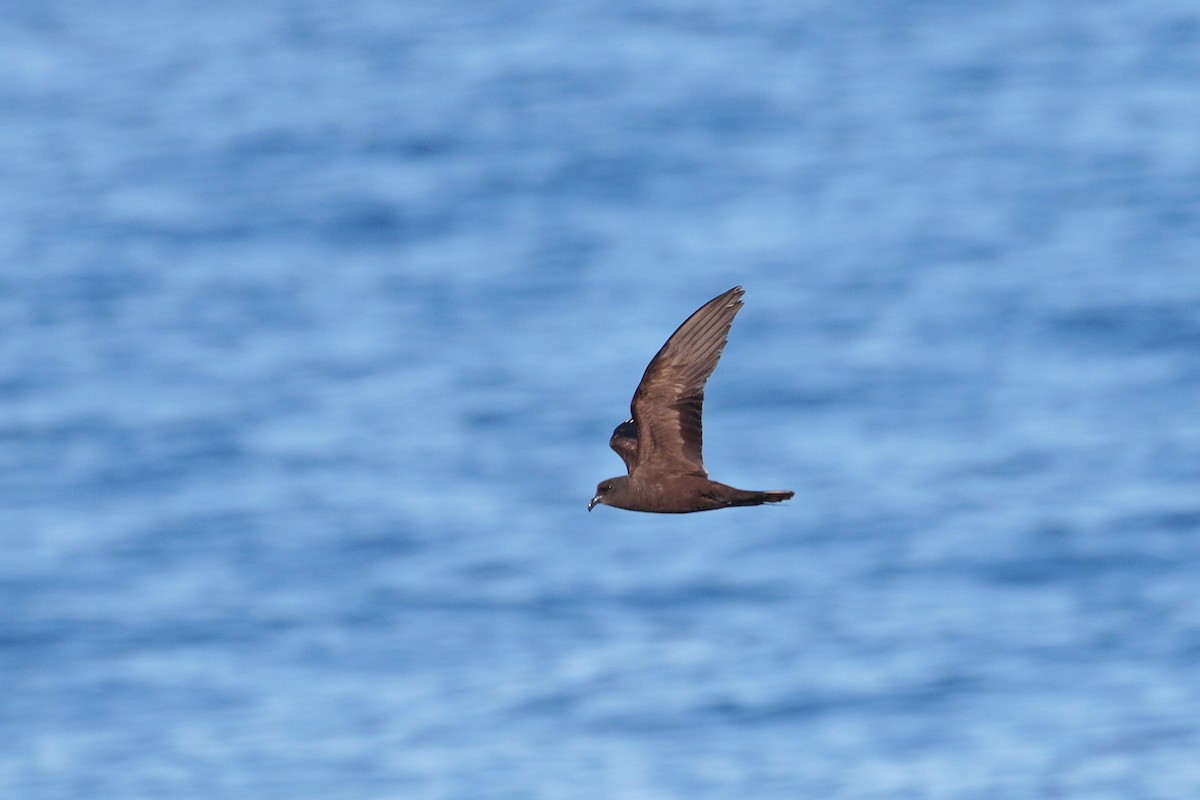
(668, 402)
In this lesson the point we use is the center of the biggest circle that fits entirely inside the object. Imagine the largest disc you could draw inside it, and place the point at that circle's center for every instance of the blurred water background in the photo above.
(315, 319)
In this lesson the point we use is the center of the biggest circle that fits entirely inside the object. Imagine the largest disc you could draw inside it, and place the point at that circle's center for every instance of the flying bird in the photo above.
(661, 442)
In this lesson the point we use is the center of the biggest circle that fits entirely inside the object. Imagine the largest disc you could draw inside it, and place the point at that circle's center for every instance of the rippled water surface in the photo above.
(315, 320)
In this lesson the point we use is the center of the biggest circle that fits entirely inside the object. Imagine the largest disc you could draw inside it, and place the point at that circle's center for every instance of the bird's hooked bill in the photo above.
(593, 502)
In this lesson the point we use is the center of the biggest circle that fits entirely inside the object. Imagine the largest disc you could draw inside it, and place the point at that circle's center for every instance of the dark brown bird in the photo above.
(661, 443)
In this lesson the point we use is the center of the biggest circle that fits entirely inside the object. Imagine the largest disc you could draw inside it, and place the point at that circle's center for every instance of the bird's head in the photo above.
(604, 491)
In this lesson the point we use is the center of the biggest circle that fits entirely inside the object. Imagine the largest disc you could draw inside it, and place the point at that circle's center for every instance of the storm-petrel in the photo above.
(661, 443)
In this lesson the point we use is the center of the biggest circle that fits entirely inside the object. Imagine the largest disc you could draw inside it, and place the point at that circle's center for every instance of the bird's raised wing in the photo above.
(668, 403)
(624, 442)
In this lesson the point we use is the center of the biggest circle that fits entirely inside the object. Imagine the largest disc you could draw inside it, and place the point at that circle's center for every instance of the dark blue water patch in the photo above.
(704, 594)
(193, 231)
(1130, 328)
(35, 645)
(43, 20)
(1182, 521)
(403, 147)
(916, 704)
(117, 698)
(560, 253)
(808, 396)
(25, 641)
(114, 457)
(974, 80)
(210, 443)
(99, 295)
(898, 394)
(227, 311)
(1187, 649)
(94, 454)
(363, 220)
(1070, 568)
(282, 548)
(732, 117)
(278, 150)
(380, 538)
(926, 698)
(1132, 181)
(1017, 464)
(227, 544)
(599, 176)
(492, 593)
(1170, 51)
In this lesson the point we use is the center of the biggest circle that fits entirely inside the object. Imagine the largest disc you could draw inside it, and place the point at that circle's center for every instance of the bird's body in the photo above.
(662, 442)
(682, 494)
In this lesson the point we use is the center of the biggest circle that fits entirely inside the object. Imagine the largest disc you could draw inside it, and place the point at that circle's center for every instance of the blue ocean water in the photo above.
(315, 320)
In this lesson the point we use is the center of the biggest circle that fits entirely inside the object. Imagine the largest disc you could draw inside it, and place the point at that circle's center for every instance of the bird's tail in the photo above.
(744, 498)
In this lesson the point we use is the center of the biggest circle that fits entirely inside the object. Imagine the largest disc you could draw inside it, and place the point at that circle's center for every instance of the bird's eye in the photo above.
(606, 487)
